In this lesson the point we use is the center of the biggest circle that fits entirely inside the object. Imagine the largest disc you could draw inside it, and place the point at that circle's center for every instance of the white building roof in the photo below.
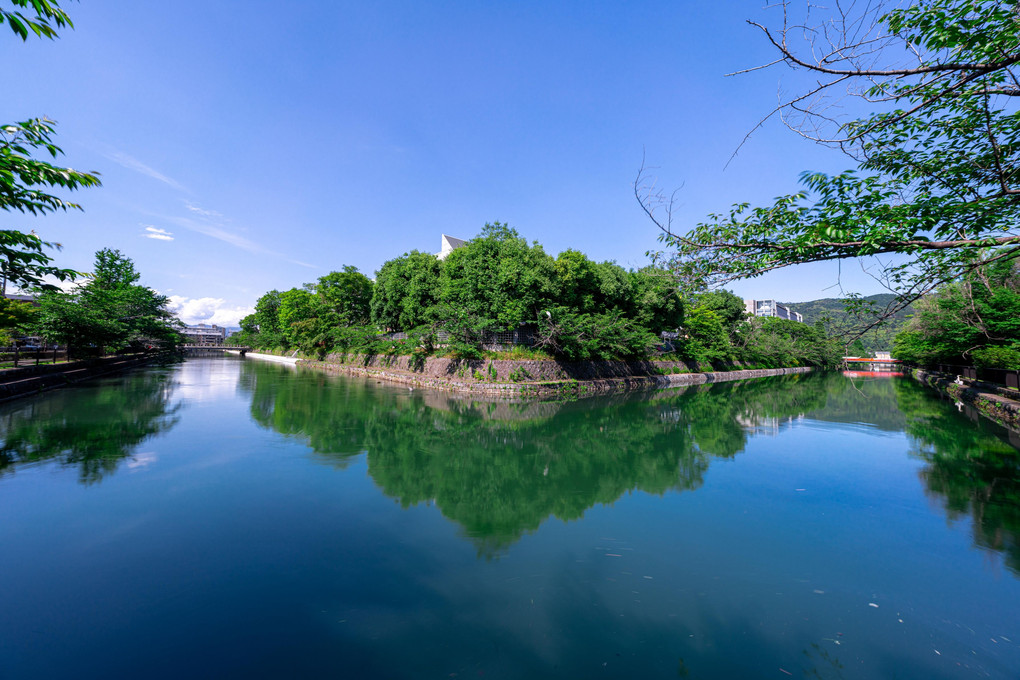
(449, 245)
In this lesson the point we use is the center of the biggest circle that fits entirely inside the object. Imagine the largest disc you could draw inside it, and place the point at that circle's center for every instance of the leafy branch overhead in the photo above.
(48, 17)
(25, 179)
(21, 174)
(937, 177)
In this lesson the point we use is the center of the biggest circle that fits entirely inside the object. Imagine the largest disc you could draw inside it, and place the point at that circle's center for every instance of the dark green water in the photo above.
(236, 519)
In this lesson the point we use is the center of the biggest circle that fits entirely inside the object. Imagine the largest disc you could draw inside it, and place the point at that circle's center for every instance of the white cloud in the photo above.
(130, 163)
(207, 310)
(157, 233)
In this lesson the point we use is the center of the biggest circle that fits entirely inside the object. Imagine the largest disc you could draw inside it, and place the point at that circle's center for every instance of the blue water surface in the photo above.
(227, 518)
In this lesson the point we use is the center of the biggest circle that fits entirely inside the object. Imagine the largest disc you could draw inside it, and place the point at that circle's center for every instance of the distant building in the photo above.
(883, 356)
(17, 297)
(449, 245)
(771, 308)
(204, 335)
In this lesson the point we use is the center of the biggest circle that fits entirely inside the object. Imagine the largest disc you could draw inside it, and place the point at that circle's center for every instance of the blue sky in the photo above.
(246, 146)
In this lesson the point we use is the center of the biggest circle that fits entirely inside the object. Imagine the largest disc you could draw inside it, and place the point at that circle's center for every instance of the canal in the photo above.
(226, 518)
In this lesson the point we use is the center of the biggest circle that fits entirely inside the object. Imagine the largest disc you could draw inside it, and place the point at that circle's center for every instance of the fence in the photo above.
(33, 355)
(1000, 376)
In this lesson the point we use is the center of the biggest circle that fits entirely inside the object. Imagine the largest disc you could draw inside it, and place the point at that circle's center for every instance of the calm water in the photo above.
(236, 519)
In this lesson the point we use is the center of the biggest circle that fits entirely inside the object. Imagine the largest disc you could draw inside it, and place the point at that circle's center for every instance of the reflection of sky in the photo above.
(141, 460)
(207, 379)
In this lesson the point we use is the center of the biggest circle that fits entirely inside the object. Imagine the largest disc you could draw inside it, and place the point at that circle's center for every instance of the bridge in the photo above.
(869, 360)
(235, 348)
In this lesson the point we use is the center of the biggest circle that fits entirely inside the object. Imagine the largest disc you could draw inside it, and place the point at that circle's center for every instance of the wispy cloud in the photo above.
(212, 224)
(157, 233)
(130, 163)
(201, 211)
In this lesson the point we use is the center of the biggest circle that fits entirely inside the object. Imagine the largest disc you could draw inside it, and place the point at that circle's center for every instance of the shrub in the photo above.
(998, 357)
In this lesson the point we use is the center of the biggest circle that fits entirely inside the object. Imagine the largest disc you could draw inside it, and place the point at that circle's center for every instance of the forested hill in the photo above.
(833, 307)
(832, 312)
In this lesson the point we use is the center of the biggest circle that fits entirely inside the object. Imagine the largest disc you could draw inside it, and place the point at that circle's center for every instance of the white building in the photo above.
(204, 335)
(449, 245)
(771, 308)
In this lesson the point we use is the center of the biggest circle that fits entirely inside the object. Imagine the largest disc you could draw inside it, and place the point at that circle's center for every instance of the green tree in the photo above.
(577, 282)
(497, 276)
(727, 306)
(262, 328)
(348, 295)
(15, 315)
(937, 178)
(300, 313)
(616, 288)
(406, 291)
(703, 337)
(973, 320)
(584, 336)
(592, 287)
(109, 313)
(777, 343)
(657, 302)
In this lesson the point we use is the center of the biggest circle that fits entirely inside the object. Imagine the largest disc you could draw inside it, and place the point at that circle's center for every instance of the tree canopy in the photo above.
(109, 313)
(937, 176)
(406, 291)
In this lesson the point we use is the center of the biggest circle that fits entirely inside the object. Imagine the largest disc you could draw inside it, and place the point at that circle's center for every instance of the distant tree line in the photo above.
(571, 307)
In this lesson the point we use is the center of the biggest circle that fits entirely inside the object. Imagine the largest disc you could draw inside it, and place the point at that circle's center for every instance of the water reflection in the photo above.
(500, 469)
(96, 436)
(972, 470)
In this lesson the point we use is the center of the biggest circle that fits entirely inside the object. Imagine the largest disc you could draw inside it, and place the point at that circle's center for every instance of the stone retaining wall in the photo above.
(532, 377)
(990, 401)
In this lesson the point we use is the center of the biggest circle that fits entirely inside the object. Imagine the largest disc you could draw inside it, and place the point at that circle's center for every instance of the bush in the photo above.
(998, 357)
(580, 337)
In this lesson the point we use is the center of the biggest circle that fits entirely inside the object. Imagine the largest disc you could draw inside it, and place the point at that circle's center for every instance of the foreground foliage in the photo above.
(25, 179)
(937, 177)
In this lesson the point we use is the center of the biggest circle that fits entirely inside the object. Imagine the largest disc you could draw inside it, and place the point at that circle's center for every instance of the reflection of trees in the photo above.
(501, 469)
(861, 400)
(971, 469)
(94, 434)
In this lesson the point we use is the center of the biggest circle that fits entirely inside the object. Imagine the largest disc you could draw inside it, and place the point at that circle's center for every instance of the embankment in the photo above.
(532, 378)
(275, 358)
(29, 380)
(995, 402)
